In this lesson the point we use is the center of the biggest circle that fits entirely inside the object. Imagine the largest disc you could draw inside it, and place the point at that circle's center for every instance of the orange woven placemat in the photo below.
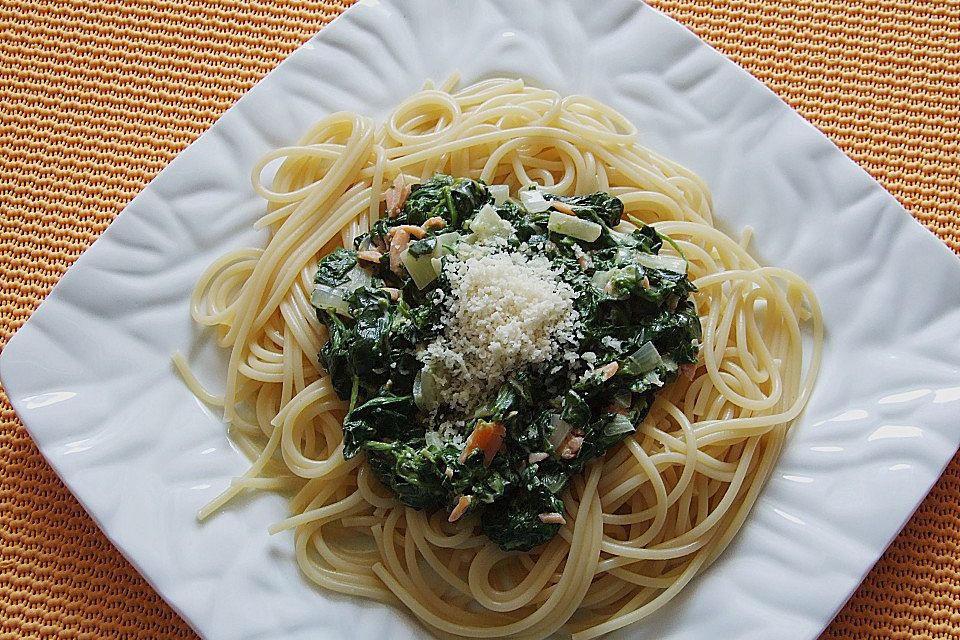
(96, 96)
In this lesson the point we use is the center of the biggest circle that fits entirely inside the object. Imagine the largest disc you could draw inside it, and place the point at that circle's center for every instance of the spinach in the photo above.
(371, 357)
(602, 208)
(333, 268)
(335, 356)
(597, 441)
(575, 412)
(647, 240)
(380, 419)
(369, 344)
(455, 200)
(532, 435)
(507, 397)
(516, 525)
(485, 485)
(415, 471)
(423, 247)
(420, 248)
(526, 225)
(414, 474)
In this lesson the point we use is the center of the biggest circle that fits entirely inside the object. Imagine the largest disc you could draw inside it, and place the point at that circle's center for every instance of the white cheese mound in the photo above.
(507, 310)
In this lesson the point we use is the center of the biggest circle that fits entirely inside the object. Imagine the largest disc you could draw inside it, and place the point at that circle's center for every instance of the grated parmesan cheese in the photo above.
(505, 311)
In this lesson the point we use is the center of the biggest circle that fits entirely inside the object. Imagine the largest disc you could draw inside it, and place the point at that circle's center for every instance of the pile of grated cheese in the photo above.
(505, 311)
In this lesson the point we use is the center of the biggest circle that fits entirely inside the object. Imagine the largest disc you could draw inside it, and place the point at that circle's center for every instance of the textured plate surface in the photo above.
(89, 374)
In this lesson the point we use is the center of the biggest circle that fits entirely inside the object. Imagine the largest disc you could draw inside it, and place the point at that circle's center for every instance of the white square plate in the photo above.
(90, 373)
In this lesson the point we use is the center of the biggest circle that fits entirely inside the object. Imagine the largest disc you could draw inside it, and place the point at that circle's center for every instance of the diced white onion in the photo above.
(334, 298)
(647, 357)
(623, 399)
(356, 278)
(487, 224)
(652, 377)
(573, 226)
(666, 263)
(621, 238)
(669, 363)
(601, 279)
(448, 239)
(561, 429)
(325, 297)
(500, 193)
(425, 390)
(420, 269)
(534, 201)
(619, 425)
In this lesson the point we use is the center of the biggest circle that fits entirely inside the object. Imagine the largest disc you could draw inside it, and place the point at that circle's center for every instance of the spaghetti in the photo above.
(640, 522)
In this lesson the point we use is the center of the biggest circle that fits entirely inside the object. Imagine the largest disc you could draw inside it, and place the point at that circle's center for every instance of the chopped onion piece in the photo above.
(356, 278)
(420, 269)
(647, 357)
(602, 278)
(325, 297)
(619, 425)
(561, 429)
(624, 255)
(574, 227)
(665, 263)
(534, 201)
(425, 390)
(449, 239)
(487, 224)
(500, 193)
(622, 239)
(652, 377)
(335, 298)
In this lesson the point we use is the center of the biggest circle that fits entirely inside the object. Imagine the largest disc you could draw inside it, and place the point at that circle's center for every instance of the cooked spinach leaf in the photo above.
(600, 207)
(333, 268)
(516, 525)
(386, 418)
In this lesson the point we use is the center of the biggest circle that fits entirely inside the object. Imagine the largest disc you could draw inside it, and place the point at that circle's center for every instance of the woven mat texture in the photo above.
(96, 96)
